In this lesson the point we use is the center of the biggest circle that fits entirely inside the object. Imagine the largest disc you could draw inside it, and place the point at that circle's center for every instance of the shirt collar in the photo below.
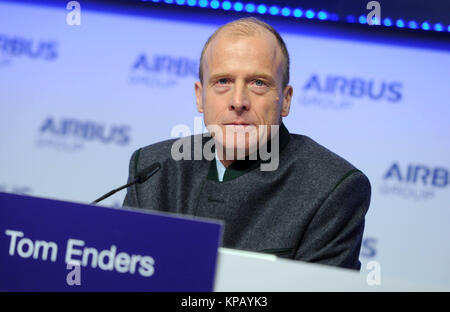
(220, 168)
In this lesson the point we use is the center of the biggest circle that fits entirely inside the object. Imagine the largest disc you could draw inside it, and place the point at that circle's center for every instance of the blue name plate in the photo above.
(49, 245)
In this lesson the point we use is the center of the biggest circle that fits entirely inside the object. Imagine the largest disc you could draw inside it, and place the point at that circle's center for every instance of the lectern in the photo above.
(50, 245)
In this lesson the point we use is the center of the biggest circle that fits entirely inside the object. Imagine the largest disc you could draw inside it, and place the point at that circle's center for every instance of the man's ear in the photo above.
(287, 97)
(198, 96)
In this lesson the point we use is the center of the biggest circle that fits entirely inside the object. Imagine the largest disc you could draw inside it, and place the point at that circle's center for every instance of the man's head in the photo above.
(245, 27)
(244, 75)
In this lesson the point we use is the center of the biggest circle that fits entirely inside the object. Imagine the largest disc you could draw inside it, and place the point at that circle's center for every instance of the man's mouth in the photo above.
(238, 123)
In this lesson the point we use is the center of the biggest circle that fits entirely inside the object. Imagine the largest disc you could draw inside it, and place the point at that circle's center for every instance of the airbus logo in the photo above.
(416, 181)
(337, 91)
(71, 134)
(161, 70)
(15, 47)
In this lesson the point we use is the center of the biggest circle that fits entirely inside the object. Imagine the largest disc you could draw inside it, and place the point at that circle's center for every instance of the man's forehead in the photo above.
(232, 34)
(267, 45)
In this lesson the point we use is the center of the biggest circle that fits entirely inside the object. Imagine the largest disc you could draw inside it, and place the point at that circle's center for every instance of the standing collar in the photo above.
(240, 167)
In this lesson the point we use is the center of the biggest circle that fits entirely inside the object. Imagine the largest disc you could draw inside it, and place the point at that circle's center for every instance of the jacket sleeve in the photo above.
(334, 234)
(131, 198)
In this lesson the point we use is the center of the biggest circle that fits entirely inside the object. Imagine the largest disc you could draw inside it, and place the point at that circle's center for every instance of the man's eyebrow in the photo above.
(253, 75)
(262, 75)
(219, 75)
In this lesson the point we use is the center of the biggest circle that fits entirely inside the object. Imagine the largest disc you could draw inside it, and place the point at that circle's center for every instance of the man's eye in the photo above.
(259, 83)
(223, 81)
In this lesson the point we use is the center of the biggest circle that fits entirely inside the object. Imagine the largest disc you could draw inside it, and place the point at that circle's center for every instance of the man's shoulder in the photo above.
(162, 151)
(322, 171)
(158, 151)
(318, 160)
(309, 148)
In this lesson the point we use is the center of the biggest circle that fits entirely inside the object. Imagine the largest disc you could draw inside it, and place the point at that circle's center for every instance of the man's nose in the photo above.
(240, 101)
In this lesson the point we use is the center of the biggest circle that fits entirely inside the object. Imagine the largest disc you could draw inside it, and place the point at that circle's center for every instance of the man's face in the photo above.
(242, 86)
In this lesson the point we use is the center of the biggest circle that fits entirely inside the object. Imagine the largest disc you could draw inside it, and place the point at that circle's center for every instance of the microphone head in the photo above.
(146, 173)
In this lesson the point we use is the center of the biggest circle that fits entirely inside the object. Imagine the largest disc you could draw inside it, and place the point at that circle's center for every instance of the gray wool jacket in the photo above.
(312, 208)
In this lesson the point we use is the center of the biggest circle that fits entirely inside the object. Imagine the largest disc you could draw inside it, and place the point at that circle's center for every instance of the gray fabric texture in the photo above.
(312, 208)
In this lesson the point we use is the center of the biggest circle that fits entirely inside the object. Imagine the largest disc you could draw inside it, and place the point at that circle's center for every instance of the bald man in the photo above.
(276, 192)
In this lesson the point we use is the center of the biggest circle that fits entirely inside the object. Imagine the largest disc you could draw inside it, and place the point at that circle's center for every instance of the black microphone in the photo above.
(141, 177)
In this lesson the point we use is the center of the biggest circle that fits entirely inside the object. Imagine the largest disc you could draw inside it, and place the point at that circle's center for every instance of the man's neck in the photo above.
(226, 163)
(222, 156)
